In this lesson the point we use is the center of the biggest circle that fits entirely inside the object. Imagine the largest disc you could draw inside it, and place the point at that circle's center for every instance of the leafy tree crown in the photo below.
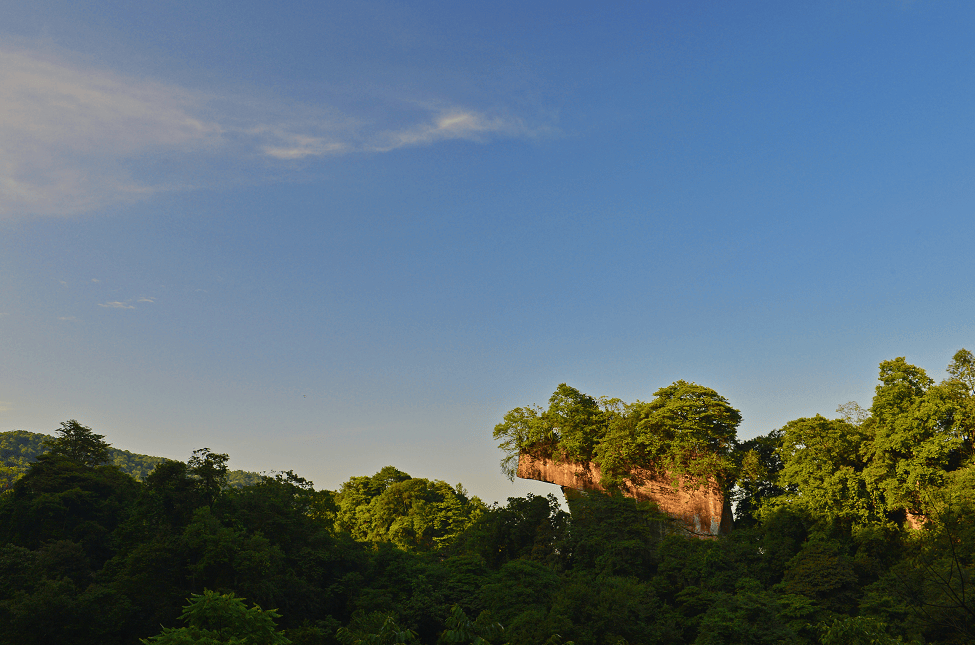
(79, 443)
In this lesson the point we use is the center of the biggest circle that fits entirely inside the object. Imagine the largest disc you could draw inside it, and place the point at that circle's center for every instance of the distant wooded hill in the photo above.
(19, 448)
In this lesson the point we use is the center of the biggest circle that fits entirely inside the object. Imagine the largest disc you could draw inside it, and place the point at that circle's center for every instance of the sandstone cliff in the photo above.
(703, 512)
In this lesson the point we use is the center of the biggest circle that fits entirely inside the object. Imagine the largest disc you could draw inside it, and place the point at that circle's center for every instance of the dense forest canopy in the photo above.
(857, 529)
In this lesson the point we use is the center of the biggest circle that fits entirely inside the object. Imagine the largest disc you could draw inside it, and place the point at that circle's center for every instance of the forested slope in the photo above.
(19, 449)
(858, 529)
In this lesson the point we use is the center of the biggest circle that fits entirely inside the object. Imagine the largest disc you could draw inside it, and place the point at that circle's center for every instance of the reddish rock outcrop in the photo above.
(702, 512)
(915, 521)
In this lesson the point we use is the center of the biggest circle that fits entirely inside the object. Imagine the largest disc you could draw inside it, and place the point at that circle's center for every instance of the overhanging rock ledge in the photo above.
(703, 512)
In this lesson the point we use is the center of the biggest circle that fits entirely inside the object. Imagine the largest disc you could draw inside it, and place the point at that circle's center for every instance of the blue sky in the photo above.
(330, 237)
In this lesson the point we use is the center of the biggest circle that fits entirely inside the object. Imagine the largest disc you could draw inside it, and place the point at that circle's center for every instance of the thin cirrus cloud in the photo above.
(115, 304)
(74, 138)
(65, 133)
(450, 124)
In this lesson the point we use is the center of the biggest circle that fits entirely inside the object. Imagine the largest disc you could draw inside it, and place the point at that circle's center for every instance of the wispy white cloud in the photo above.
(443, 125)
(145, 299)
(115, 304)
(74, 138)
(66, 132)
(453, 124)
(6, 405)
(95, 280)
(68, 318)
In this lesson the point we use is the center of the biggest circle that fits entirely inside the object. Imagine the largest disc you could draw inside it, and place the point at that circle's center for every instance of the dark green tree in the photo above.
(859, 630)
(750, 616)
(461, 629)
(612, 535)
(63, 499)
(221, 619)
(211, 469)
(375, 628)
(79, 443)
(757, 466)
(528, 528)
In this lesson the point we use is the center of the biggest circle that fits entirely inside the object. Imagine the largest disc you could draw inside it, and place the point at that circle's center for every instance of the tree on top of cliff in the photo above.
(686, 430)
(568, 430)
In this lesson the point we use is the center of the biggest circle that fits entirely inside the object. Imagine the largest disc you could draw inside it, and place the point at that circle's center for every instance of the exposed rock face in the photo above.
(702, 512)
(914, 521)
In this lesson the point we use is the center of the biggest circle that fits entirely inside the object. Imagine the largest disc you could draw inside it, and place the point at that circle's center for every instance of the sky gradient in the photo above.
(331, 237)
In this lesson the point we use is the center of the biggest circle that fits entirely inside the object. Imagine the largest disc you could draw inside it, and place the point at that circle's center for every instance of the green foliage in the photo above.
(687, 430)
(857, 630)
(211, 469)
(8, 477)
(932, 582)
(242, 478)
(78, 443)
(576, 421)
(915, 437)
(824, 574)
(229, 557)
(822, 469)
(519, 586)
(758, 463)
(89, 555)
(19, 449)
(64, 499)
(893, 464)
(221, 619)
(962, 369)
(612, 534)
(749, 616)
(461, 629)
(412, 513)
(606, 610)
(569, 429)
(962, 386)
(137, 466)
(526, 528)
(374, 629)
